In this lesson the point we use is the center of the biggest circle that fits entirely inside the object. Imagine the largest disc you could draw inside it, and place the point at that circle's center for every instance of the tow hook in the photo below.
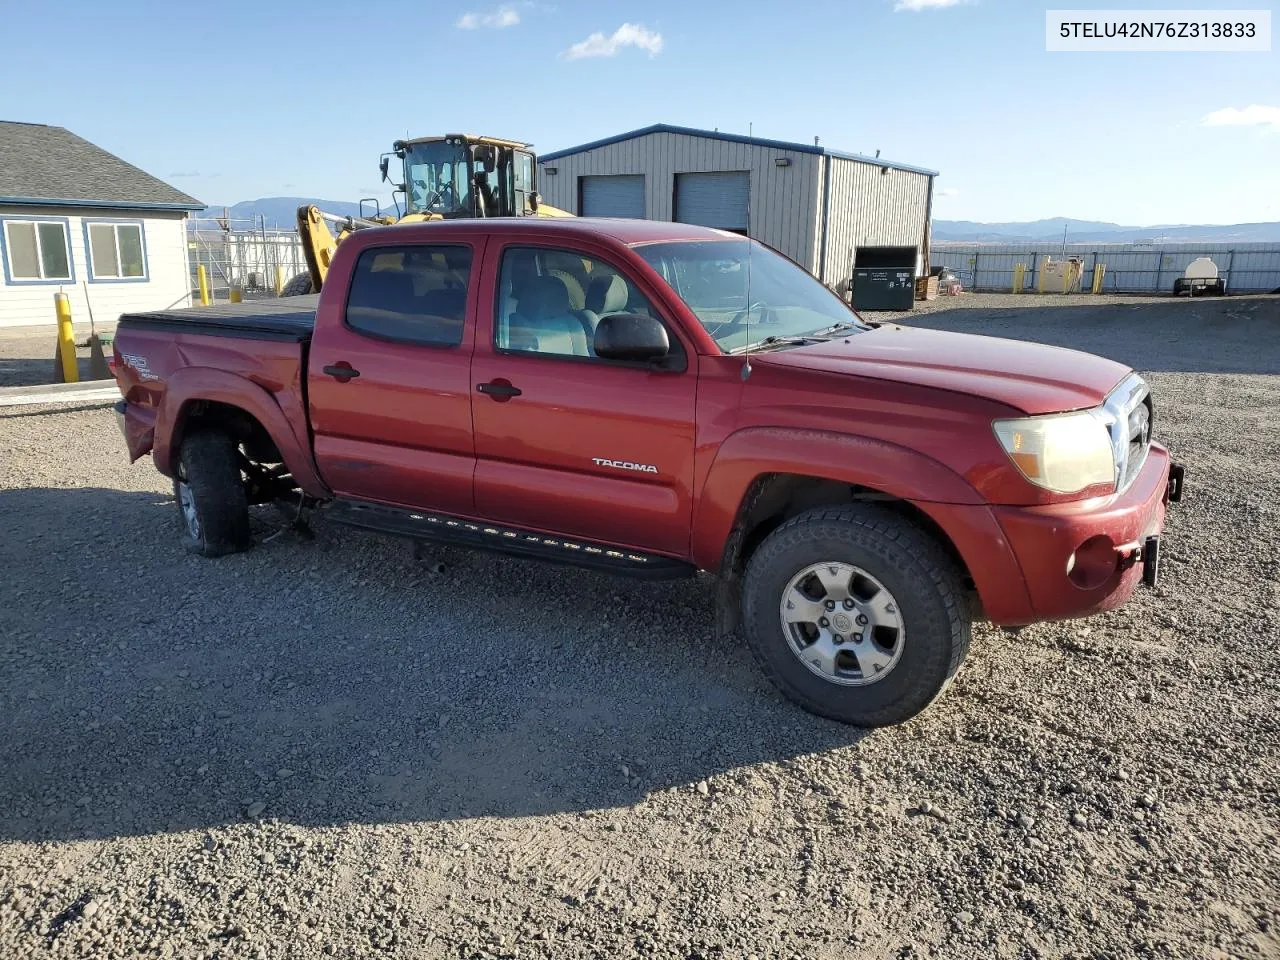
(1176, 474)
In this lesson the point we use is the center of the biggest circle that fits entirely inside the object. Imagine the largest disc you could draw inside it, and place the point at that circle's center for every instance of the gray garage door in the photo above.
(620, 196)
(713, 199)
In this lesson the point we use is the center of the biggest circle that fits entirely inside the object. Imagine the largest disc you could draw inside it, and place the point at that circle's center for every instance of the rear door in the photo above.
(587, 447)
(389, 376)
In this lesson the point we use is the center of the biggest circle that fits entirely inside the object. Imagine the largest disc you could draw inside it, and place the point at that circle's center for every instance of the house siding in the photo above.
(167, 283)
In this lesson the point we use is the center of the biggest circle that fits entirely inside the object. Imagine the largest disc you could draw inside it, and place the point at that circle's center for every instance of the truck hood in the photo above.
(1030, 377)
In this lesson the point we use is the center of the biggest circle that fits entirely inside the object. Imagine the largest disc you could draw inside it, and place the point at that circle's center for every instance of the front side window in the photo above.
(115, 251)
(411, 294)
(37, 250)
(438, 178)
(744, 299)
(550, 301)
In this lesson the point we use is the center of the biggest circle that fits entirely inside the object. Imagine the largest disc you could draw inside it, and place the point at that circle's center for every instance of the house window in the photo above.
(37, 250)
(115, 251)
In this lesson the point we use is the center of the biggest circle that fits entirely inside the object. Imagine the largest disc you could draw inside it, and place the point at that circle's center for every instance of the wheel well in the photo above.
(775, 498)
(242, 426)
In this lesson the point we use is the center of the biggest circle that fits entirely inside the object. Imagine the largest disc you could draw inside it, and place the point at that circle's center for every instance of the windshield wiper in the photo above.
(837, 328)
(776, 341)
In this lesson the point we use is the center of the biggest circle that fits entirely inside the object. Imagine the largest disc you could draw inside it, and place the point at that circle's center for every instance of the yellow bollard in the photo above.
(236, 296)
(1019, 276)
(66, 339)
(279, 279)
(204, 285)
(1099, 272)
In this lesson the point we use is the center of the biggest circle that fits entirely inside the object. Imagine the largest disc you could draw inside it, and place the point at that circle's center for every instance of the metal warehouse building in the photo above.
(818, 206)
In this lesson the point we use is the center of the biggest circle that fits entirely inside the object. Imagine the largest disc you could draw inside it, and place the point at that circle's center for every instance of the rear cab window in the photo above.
(411, 294)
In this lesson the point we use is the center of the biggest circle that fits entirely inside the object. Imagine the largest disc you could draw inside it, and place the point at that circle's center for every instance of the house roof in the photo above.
(735, 138)
(42, 165)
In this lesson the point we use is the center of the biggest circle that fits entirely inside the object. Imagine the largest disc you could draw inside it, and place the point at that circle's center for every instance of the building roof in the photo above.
(42, 165)
(735, 138)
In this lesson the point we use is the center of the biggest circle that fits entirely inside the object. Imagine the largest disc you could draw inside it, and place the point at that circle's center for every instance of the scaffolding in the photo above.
(242, 253)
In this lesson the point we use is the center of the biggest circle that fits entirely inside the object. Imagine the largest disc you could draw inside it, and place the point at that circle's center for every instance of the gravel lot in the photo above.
(331, 748)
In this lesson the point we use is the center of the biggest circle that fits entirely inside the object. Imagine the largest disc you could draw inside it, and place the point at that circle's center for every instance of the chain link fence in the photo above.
(244, 253)
(1125, 268)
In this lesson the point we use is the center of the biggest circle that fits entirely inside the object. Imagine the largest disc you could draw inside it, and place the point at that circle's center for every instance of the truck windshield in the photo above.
(437, 178)
(713, 278)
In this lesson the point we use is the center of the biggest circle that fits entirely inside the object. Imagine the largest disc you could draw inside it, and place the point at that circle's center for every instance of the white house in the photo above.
(76, 219)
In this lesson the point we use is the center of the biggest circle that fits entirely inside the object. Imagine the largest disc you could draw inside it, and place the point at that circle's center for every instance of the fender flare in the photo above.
(285, 423)
(857, 460)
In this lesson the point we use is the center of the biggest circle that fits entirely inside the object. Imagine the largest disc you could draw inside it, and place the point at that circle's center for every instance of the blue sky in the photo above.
(241, 100)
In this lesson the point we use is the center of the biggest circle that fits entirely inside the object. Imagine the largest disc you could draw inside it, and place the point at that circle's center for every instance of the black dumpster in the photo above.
(884, 278)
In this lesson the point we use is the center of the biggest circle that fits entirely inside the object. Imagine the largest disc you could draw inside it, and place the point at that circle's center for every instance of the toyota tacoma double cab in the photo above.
(659, 399)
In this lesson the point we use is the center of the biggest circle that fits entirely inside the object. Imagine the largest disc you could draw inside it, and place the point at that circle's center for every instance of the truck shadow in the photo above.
(1184, 335)
(341, 680)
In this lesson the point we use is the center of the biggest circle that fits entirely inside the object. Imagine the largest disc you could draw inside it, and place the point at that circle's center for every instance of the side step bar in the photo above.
(455, 531)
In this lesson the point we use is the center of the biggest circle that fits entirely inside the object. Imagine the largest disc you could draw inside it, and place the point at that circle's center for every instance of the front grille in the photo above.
(1129, 417)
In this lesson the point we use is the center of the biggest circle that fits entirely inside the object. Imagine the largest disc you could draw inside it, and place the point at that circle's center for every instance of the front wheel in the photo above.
(855, 614)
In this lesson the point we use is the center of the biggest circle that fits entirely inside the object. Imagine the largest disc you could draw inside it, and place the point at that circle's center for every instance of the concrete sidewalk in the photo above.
(88, 392)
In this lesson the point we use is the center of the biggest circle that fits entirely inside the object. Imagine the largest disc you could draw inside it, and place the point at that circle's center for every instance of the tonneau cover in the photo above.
(284, 318)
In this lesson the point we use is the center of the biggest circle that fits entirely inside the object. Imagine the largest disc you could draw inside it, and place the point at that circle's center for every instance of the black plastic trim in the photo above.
(1177, 473)
(499, 538)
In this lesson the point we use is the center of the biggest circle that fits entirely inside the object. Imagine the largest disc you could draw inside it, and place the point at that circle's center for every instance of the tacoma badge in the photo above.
(624, 465)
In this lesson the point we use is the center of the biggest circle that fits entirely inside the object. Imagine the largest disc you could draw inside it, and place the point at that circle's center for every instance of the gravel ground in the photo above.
(330, 748)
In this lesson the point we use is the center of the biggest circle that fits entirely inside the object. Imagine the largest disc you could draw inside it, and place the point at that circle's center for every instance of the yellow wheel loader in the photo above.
(445, 178)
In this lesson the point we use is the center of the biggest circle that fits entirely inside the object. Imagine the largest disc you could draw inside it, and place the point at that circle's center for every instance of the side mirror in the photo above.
(384, 165)
(631, 336)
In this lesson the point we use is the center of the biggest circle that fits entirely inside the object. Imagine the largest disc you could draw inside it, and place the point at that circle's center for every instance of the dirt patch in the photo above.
(324, 748)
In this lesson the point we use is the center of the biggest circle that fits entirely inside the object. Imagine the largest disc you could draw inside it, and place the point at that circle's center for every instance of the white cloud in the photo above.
(948, 192)
(1250, 116)
(627, 35)
(917, 5)
(505, 16)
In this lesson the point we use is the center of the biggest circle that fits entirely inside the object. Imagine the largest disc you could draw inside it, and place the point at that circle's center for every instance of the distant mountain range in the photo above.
(1093, 231)
(282, 212)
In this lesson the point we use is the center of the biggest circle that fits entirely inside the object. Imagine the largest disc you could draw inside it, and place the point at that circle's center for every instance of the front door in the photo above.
(566, 442)
(389, 377)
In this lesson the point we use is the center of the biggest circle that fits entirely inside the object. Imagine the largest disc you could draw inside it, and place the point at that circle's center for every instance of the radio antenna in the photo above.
(746, 365)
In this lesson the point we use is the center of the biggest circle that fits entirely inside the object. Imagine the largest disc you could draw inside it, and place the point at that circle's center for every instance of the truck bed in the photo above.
(288, 318)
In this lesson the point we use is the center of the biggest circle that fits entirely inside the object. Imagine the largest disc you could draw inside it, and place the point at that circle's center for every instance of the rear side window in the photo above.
(412, 294)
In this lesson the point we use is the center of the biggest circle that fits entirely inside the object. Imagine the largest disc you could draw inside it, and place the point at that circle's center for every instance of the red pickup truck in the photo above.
(657, 399)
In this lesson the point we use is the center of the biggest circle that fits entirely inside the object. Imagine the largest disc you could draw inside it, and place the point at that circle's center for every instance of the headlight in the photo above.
(1063, 453)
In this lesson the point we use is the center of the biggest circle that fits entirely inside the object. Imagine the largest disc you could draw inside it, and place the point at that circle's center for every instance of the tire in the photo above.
(885, 552)
(299, 286)
(209, 492)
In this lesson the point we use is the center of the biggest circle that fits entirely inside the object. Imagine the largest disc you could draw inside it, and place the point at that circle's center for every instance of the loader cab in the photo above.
(459, 176)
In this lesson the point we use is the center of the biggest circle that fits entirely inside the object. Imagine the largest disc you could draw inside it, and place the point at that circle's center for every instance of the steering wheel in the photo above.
(439, 194)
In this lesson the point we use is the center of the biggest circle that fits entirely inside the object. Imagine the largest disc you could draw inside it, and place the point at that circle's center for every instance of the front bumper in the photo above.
(1085, 557)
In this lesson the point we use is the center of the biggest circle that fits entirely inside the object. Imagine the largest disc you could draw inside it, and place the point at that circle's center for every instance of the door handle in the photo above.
(499, 389)
(342, 371)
